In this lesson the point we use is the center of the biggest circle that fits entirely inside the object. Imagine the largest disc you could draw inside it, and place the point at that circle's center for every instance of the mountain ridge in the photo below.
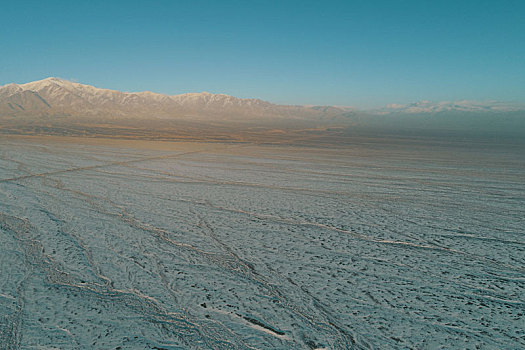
(68, 98)
(55, 106)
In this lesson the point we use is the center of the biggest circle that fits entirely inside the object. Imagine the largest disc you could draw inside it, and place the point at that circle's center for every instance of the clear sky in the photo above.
(355, 53)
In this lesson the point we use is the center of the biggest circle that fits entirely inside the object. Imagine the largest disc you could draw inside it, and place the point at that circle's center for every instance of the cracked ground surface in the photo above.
(382, 244)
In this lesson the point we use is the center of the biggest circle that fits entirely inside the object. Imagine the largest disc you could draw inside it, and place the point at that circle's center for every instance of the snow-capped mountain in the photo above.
(58, 97)
(59, 106)
(452, 106)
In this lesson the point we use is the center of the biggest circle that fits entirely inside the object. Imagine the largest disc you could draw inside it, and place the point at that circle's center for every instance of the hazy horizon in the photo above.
(59, 107)
(518, 105)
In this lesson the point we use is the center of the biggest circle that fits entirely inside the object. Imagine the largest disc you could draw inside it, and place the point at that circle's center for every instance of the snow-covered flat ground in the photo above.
(380, 244)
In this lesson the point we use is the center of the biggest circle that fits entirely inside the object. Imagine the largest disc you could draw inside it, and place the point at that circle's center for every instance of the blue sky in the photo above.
(356, 53)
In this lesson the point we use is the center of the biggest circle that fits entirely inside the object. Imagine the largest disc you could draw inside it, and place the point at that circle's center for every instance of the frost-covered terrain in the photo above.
(377, 244)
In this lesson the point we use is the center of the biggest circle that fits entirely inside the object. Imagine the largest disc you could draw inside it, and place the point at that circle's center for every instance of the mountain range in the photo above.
(54, 96)
(58, 106)
(58, 97)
